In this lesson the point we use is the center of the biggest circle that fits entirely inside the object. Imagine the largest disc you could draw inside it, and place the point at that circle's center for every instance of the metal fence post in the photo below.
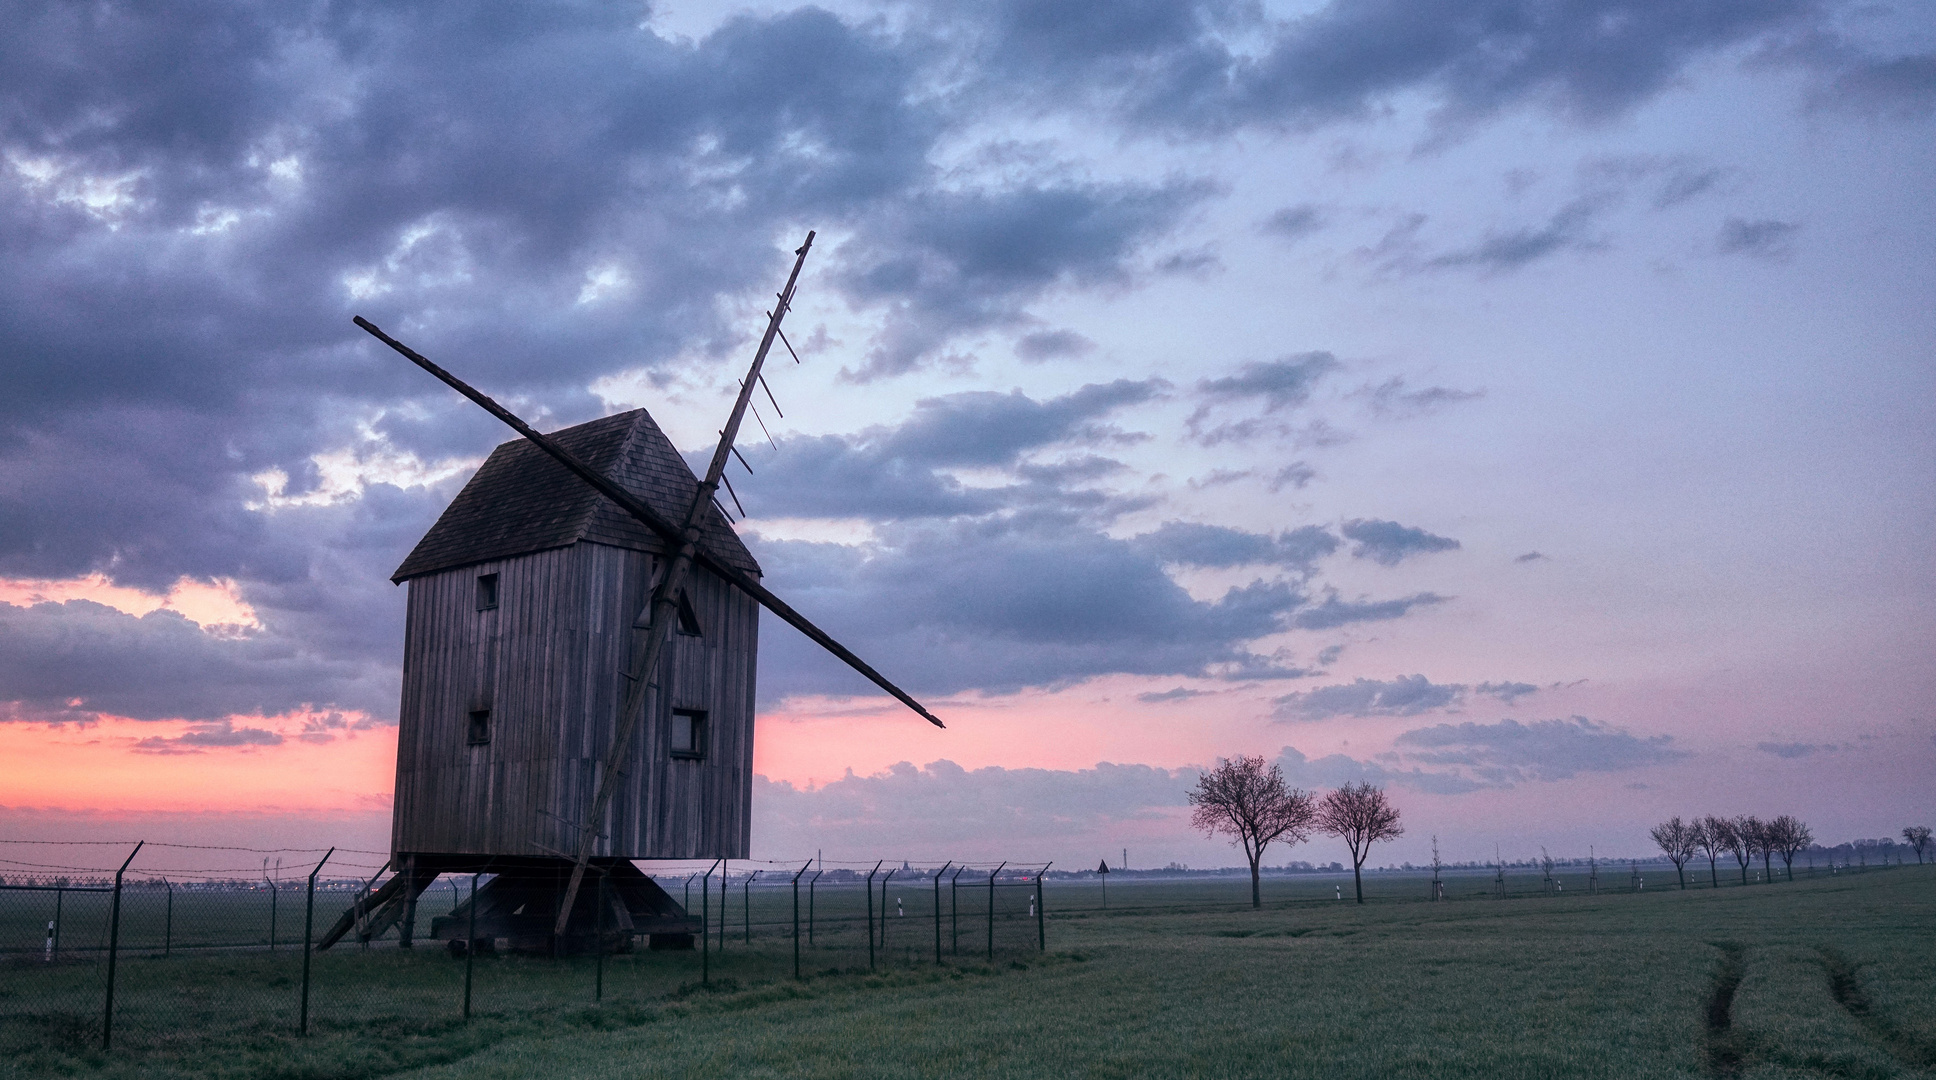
(991, 911)
(937, 908)
(168, 927)
(725, 868)
(1041, 910)
(954, 910)
(114, 945)
(869, 887)
(746, 905)
(796, 918)
(60, 894)
(274, 895)
(884, 881)
(470, 946)
(705, 920)
(309, 921)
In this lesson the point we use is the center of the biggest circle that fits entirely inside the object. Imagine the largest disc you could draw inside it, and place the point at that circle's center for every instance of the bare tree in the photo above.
(1713, 836)
(1918, 837)
(1787, 835)
(1744, 840)
(1361, 816)
(1249, 801)
(1680, 841)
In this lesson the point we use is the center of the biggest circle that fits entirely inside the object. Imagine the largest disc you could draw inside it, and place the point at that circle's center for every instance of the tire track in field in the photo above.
(1724, 1050)
(1846, 988)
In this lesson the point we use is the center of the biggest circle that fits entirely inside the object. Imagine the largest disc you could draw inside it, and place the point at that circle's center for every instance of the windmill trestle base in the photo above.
(516, 910)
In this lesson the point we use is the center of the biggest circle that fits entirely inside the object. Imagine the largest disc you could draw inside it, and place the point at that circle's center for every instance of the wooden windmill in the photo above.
(578, 682)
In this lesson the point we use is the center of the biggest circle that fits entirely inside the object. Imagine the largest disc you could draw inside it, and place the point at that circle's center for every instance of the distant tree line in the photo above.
(1743, 837)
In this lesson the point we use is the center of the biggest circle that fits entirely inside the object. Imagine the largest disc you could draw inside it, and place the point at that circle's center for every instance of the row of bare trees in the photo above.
(1742, 837)
(1250, 801)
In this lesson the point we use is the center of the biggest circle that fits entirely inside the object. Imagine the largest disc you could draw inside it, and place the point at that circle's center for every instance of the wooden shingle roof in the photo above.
(520, 501)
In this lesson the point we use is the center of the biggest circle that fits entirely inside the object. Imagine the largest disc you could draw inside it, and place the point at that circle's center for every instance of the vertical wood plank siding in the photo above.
(546, 663)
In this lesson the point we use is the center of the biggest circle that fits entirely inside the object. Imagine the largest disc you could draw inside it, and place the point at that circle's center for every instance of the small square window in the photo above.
(480, 727)
(688, 734)
(486, 592)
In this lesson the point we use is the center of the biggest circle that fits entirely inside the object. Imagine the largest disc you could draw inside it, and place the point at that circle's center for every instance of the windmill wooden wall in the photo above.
(546, 662)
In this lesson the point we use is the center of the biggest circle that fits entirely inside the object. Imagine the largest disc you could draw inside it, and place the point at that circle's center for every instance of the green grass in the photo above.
(1829, 976)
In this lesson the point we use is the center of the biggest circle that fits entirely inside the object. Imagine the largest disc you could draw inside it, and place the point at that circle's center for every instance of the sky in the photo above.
(1523, 405)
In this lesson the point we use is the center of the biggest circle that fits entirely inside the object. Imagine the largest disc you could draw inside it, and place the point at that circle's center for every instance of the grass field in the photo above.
(1829, 976)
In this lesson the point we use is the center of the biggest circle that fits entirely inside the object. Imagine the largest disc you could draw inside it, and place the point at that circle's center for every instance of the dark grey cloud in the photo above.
(204, 737)
(903, 471)
(1190, 544)
(1904, 85)
(1568, 229)
(1763, 238)
(1405, 695)
(1293, 222)
(1037, 598)
(1530, 556)
(945, 262)
(1795, 749)
(1280, 383)
(1333, 612)
(1387, 542)
(1510, 752)
(1003, 603)
(1275, 385)
(1173, 66)
(1507, 692)
(75, 659)
(1052, 344)
(1394, 398)
(1296, 476)
(1180, 693)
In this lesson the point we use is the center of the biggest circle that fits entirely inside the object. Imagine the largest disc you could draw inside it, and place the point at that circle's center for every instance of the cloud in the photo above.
(903, 471)
(221, 735)
(1180, 693)
(941, 807)
(1499, 252)
(1407, 695)
(1337, 770)
(1280, 384)
(1297, 475)
(1765, 238)
(80, 657)
(1392, 398)
(1510, 752)
(1003, 603)
(1333, 612)
(1530, 557)
(1796, 749)
(1172, 67)
(1507, 692)
(944, 262)
(1190, 544)
(1052, 344)
(1293, 223)
(1387, 542)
